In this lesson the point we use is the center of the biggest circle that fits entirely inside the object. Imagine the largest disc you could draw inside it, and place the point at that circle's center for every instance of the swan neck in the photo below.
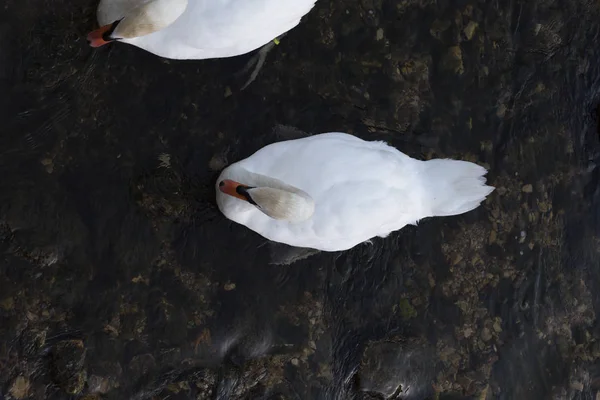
(149, 17)
(279, 200)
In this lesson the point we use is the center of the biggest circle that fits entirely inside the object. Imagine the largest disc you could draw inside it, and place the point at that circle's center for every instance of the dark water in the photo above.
(120, 279)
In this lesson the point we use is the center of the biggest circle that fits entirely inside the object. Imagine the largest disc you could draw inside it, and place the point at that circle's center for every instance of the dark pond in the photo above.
(119, 278)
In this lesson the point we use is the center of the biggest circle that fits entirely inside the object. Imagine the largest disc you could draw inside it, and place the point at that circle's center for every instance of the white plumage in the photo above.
(360, 190)
(205, 28)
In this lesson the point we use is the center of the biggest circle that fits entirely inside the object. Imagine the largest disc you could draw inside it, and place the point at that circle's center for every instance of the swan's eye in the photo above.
(222, 183)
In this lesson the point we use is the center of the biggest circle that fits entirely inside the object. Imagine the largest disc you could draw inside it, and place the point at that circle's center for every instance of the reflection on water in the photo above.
(120, 279)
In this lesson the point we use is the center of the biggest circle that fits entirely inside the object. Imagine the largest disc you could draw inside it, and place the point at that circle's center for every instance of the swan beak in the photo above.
(233, 188)
(98, 37)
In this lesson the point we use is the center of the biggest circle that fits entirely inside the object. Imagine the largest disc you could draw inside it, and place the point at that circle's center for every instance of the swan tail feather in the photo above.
(455, 187)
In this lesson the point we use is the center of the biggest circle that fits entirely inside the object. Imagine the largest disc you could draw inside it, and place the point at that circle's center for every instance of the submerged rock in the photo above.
(19, 389)
(453, 60)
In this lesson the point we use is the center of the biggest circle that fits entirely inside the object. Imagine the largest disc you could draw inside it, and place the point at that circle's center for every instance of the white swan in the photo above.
(197, 29)
(333, 191)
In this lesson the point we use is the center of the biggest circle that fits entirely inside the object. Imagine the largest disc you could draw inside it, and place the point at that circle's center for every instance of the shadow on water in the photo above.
(121, 279)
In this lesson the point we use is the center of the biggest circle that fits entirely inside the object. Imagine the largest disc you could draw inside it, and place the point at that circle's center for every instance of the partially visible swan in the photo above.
(198, 29)
(333, 191)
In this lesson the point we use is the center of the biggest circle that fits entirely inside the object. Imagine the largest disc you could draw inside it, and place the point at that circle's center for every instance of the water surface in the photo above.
(120, 279)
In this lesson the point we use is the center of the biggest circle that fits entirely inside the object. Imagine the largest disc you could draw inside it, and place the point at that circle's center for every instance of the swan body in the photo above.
(342, 190)
(197, 29)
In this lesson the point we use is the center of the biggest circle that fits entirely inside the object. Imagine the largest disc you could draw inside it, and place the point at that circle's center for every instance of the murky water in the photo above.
(120, 279)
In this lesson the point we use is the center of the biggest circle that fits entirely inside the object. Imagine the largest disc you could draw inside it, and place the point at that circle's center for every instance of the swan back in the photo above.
(360, 190)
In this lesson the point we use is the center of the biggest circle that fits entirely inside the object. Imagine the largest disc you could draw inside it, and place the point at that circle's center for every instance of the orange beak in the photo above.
(99, 37)
(231, 188)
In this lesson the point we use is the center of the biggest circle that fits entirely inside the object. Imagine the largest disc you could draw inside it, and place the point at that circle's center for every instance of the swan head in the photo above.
(276, 203)
(142, 20)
